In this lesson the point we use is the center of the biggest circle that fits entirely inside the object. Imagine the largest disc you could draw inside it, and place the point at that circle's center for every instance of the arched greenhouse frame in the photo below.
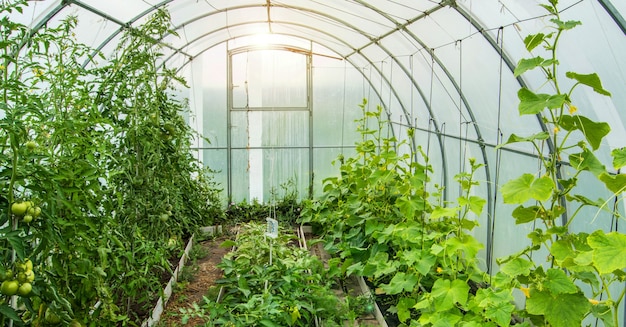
(477, 144)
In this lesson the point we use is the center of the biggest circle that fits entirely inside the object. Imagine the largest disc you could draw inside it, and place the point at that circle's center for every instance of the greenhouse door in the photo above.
(269, 144)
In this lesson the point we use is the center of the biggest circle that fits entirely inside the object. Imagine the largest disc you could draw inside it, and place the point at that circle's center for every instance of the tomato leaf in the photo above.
(9, 312)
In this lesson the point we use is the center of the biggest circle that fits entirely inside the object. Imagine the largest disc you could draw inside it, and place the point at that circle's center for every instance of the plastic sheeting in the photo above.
(444, 68)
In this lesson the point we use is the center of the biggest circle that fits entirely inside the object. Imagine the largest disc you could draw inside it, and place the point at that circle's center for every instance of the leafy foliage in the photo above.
(581, 267)
(293, 289)
(418, 253)
(81, 143)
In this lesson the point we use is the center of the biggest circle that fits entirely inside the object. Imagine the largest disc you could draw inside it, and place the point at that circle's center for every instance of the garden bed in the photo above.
(209, 273)
(201, 280)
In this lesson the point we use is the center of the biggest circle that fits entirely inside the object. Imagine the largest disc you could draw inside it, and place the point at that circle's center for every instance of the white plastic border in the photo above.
(167, 292)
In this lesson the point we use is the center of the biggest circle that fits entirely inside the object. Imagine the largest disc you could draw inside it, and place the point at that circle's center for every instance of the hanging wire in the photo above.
(499, 138)
(343, 105)
(431, 120)
(461, 122)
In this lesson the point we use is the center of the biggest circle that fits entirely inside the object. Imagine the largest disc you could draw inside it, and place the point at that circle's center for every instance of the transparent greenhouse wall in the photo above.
(273, 130)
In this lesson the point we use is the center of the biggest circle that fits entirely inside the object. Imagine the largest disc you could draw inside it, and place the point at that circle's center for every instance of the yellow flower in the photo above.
(594, 301)
(2, 67)
(556, 130)
(572, 109)
(526, 291)
(439, 270)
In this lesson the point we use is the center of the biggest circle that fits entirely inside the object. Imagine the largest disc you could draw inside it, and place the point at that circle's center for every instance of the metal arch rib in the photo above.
(123, 25)
(614, 13)
(354, 28)
(402, 27)
(511, 65)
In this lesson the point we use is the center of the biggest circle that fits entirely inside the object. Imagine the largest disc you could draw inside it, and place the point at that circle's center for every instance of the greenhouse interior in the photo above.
(312, 163)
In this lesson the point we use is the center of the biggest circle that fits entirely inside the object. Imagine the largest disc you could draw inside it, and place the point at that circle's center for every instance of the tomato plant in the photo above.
(80, 195)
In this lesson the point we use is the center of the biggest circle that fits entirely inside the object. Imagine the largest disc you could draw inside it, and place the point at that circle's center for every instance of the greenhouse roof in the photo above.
(425, 59)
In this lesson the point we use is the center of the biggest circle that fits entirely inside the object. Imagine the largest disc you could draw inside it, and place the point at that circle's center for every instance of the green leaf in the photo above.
(534, 40)
(9, 312)
(594, 132)
(591, 80)
(561, 310)
(586, 160)
(526, 187)
(559, 283)
(410, 205)
(404, 306)
(420, 259)
(17, 243)
(524, 215)
(498, 306)
(515, 139)
(609, 251)
(400, 282)
(446, 293)
(439, 212)
(562, 250)
(568, 25)
(517, 267)
(615, 183)
(268, 323)
(465, 243)
(475, 203)
(532, 104)
(228, 244)
(619, 157)
(525, 65)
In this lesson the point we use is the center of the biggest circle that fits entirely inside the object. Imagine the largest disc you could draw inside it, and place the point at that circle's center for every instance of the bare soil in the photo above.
(195, 284)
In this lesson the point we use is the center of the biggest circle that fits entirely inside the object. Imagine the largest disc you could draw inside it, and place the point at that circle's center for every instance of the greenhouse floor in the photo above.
(199, 280)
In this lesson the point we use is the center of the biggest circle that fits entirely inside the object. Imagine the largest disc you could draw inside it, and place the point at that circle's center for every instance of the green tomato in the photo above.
(30, 276)
(9, 287)
(25, 289)
(51, 317)
(19, 208)
(27, 218)
(164, 217)
(29, 264)
(5, 274)
(31, 145)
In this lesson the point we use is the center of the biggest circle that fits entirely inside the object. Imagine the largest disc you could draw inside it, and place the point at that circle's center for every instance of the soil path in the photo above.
(199, 278)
